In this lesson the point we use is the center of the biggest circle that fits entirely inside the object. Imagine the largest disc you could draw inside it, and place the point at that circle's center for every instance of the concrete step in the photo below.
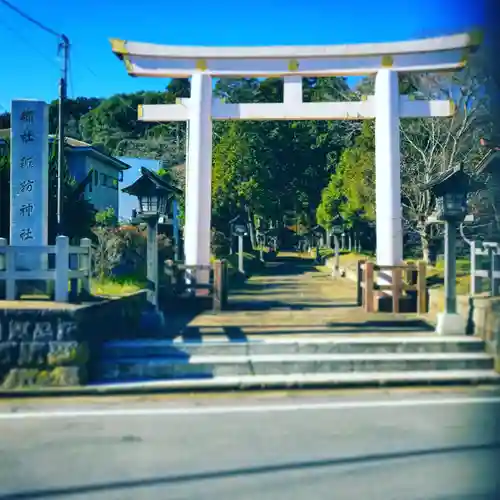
(308, 380)
(209, 366)
(291, 345)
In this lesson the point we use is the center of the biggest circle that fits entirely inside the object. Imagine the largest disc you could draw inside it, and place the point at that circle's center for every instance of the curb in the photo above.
(224, 386)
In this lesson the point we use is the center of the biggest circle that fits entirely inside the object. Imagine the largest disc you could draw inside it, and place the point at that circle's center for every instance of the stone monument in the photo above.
(29, 179)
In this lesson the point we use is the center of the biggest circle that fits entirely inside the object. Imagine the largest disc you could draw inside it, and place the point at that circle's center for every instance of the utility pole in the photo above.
(63, 86)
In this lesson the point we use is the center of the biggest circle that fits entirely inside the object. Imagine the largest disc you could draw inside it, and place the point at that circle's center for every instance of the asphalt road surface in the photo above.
(351, 445)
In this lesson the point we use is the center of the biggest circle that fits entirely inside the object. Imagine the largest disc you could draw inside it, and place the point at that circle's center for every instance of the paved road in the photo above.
(370, 445)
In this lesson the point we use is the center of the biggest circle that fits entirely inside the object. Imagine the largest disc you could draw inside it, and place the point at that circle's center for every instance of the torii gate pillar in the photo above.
(199, 176)
(389, 226)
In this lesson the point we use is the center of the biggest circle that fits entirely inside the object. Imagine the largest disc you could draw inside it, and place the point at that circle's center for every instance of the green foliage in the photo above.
(77, 213)
(74, 110)
(121, 251)
(351, 189)
(106, 218)
(106, 252)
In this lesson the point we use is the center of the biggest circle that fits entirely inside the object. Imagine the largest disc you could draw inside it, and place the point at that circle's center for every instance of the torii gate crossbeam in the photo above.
(387, 107)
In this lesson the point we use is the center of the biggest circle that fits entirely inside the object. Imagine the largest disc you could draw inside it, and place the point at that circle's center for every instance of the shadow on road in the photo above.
(288, 266)
(269, 305)
(244, 471)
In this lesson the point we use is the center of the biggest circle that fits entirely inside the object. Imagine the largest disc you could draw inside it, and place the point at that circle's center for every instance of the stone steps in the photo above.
(298, 360)
(290, 345)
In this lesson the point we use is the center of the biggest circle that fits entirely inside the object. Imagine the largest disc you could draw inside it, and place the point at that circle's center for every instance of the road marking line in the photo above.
(217, 410)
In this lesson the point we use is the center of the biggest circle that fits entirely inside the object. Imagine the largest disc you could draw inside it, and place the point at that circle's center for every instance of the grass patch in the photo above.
(117, 287)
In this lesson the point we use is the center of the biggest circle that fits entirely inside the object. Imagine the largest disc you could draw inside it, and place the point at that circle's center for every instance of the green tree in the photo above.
(351, 189)
(77, 213)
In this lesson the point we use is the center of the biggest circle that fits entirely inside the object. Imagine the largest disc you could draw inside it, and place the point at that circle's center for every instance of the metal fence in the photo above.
(71, 263)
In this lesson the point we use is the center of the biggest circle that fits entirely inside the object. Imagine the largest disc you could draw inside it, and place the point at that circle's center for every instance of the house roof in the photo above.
(454, 179)
(76, 146)
(150, 177)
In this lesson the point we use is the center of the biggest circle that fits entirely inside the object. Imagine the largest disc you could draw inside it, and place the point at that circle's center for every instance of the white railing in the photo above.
(492, 263)
(71, 263)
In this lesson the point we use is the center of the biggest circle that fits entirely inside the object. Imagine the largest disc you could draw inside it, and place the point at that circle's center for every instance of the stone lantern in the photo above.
(450, 190)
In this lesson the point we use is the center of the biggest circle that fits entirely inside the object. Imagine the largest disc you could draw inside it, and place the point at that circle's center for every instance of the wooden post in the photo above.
(369, 272)
(396, 289)
(359, 282)
(422, 288)
(85, 264)
(62, 268)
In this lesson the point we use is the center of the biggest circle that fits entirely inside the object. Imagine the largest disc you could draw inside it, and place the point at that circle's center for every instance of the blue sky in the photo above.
(30, 66)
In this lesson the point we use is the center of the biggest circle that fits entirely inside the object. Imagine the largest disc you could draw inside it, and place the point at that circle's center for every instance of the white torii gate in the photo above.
(387, 106)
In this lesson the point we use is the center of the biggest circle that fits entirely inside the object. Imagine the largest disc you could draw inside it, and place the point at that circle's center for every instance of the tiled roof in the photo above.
(76, 145)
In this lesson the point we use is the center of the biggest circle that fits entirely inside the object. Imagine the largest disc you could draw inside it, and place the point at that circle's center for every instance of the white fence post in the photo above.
(3, 256)
(495, 273)
(62, 268)
(10, 271)
(473, 277)
(8, 265)
(86, 263)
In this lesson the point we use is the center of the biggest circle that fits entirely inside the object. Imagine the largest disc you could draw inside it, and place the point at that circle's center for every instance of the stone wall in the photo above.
(481, 313)
(50, 344)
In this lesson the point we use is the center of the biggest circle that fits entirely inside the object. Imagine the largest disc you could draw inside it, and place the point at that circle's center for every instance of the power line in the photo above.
(63, 48)
(27, 42)
(30, 19)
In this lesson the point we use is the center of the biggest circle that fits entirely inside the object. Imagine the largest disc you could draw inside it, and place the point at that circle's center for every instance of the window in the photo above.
(96, 177)
(109, 181)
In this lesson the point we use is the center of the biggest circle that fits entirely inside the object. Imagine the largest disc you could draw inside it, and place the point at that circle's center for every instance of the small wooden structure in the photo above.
(180, 282)
(404, 278)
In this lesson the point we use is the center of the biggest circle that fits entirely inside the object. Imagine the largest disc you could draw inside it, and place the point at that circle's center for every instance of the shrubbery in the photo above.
(121, 250)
